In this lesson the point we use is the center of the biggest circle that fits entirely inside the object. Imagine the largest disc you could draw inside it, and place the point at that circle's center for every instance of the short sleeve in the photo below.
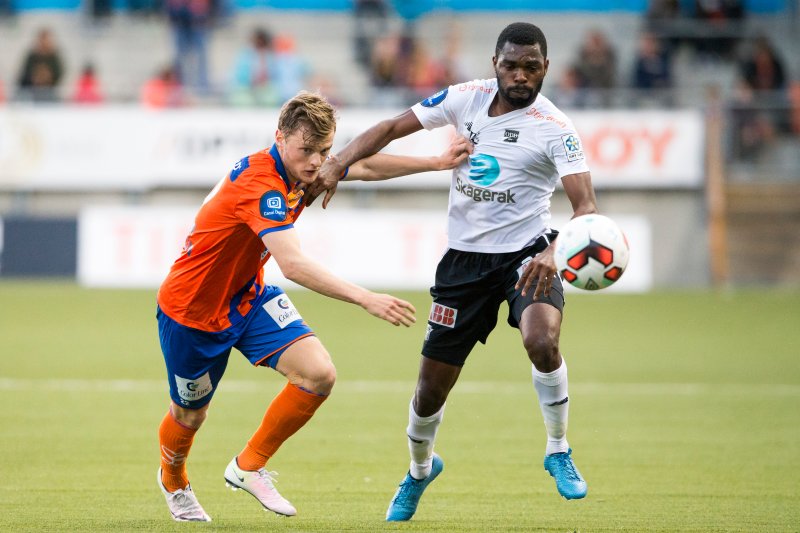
(442, 108)
(262, 205)
(566, 151)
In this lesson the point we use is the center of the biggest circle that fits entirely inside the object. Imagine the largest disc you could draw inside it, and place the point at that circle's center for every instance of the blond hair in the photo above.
(310, 111)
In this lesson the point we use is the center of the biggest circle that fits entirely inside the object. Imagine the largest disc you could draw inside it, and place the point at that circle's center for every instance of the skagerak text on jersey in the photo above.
(479, 194)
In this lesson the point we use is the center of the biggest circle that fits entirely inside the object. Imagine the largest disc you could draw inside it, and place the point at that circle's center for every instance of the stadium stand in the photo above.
(326, 43)
(127, 49)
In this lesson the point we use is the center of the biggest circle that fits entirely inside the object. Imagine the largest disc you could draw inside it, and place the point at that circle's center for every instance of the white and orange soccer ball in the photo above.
(591, 252)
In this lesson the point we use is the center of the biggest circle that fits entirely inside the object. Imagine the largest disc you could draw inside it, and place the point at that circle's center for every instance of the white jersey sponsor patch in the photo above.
(282, 310)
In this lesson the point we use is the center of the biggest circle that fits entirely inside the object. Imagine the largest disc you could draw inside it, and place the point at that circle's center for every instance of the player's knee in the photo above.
(192, 418)
(326, 378)
(542, 350)
(319, 379)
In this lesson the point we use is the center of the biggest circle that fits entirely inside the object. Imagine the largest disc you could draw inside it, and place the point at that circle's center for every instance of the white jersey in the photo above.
(500, 197)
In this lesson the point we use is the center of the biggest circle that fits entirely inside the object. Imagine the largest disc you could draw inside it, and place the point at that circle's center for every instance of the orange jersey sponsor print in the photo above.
(212, 284)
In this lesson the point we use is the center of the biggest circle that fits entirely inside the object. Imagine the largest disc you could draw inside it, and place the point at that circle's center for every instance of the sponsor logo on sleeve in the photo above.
(273, 206)
(191, 390)
(282, 311)
(436, 99)
(443, 315)
(572, 144)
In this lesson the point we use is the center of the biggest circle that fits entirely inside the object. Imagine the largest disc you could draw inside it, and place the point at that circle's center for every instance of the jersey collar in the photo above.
(279, 166)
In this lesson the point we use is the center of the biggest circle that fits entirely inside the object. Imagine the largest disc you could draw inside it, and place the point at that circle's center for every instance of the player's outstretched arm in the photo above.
(284, 246)
(580, 192)
(541, 270)
(364, 145)
(383, 166)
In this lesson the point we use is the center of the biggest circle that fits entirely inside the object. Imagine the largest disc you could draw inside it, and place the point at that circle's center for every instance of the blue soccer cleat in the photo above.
(569, 482)
(405, 501)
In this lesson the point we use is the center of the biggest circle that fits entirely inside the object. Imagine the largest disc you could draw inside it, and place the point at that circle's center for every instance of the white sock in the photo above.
(421, 434)
(554, 401)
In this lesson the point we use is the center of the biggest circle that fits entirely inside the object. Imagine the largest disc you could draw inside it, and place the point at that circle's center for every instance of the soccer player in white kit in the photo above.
(500, 243)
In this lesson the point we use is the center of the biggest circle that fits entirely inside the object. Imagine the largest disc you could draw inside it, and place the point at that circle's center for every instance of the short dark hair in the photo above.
(521, 33)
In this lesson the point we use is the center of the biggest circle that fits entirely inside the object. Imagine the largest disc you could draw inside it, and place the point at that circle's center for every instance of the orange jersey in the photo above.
(219, 273)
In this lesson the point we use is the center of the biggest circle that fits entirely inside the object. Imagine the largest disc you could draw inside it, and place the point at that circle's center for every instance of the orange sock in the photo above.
(287, 413)
(176, 440)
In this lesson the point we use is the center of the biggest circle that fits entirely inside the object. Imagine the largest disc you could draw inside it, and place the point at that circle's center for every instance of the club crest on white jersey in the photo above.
(572, 144)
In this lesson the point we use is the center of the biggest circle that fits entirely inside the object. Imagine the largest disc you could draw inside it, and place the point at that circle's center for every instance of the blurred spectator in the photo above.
(42, 70)
(191, 22)
(721, 21)
(383, 65)
(163, 90)
(87, 87)
(652, 70)
(760, 100)
(454, 64)
(597, 66)
(371, 21)
(753, 125)
(327, 88)
(291, 71)
(100, 9)
(424, 76)
(762, 69)
(663, 11)
(663, 19)
(401, 70)
(254, 70)
(2, 93)
(570, 92)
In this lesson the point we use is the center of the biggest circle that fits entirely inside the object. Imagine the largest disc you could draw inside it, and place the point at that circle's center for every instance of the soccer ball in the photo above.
(591, 252)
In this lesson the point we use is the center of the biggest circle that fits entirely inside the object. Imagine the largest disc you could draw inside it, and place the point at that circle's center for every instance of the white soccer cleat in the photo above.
(183, 504)
(261, 484)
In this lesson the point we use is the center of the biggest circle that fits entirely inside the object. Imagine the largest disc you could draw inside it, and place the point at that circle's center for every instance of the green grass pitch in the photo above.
(685, 416)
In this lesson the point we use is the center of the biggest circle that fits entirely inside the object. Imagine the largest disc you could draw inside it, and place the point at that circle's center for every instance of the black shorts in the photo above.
(470, 287)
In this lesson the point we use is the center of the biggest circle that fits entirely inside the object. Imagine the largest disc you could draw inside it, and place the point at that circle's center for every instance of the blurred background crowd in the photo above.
(176, 53)
(720, 75)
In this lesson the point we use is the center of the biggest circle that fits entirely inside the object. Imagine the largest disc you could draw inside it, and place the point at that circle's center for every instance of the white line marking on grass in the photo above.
(406, 387)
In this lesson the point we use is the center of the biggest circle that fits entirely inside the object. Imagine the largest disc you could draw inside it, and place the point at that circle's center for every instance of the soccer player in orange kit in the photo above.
(214, 299)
